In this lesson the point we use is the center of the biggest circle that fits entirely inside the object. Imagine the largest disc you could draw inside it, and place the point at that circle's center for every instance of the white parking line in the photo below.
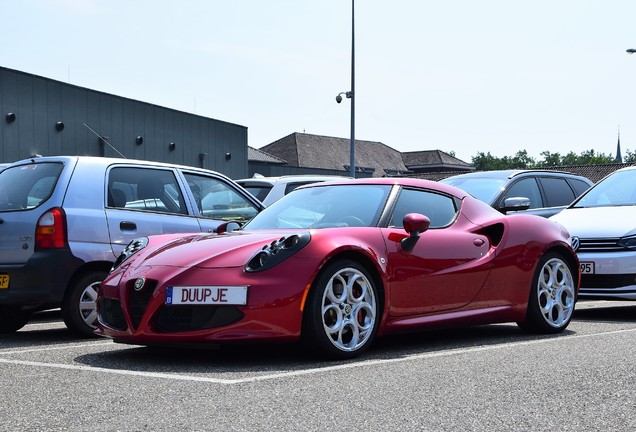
(53, 348)
(304, 371)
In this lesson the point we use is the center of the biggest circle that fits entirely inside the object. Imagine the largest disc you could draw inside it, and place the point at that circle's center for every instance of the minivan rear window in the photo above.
(24, 187)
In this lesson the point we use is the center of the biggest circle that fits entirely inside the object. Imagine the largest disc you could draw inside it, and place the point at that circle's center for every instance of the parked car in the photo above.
(64, 221)
(270, 189)
(335, 264)
(603, 223)
(543, 193)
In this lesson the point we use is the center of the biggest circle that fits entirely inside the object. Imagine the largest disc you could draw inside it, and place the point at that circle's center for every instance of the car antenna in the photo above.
(103, 139)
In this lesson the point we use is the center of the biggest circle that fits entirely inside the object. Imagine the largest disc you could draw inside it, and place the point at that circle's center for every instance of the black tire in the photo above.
(78, 308)
(552, 296)
(12, 319)
(341, 323)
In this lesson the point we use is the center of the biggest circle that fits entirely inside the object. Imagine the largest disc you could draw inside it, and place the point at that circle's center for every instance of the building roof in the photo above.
(592, 172)
(316, 151)
(256, 155)
(433, 159)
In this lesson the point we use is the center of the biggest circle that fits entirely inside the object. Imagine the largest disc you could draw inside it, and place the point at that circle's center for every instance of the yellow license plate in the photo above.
(4, 281)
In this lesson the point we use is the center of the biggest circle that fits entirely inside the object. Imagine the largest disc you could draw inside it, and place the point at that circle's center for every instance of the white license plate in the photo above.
(206, 295)
(587, 267)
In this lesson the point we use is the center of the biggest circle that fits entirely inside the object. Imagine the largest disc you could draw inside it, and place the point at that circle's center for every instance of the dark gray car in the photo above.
(64, 221)
(540, 192)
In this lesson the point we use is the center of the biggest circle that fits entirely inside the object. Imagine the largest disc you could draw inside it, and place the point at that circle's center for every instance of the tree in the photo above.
(630, 157)
(488, 162)
(521, 160)
(550, 159)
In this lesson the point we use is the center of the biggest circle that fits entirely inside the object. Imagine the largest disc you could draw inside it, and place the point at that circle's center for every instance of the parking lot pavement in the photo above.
(482, 378)
(45, 342)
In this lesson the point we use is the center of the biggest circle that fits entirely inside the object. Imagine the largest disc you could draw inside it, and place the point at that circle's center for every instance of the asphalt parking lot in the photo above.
(483, 378)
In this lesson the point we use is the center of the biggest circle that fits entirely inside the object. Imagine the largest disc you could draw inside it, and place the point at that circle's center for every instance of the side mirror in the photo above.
(515, 204)
(227, 227)
(414, 224)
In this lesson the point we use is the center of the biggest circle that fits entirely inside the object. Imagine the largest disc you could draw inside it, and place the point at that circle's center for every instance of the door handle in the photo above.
(478, 242)
(127, 226)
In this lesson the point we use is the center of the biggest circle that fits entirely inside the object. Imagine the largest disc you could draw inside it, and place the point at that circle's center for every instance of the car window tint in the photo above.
(259, 191)
(218, 199)
(145, 189)
(27, 186)
(579, 186)
(440, 209)
(557, 191)
(527, 188)
(291, 186)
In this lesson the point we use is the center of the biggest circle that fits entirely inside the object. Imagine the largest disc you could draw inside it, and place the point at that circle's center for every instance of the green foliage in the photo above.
(630, 157)
(521, 160)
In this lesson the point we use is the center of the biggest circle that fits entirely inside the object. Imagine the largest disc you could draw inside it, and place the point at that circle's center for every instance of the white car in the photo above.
(271, 189)
(602, 222)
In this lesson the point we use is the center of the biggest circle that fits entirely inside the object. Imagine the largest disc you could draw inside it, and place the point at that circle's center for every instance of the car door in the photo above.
(558, 192)
(447, 267)
(142, 201)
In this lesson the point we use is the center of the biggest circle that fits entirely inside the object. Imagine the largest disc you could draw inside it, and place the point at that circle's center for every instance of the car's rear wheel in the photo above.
(552, 296)
(79, 308)
(341, 312)
(12, 319)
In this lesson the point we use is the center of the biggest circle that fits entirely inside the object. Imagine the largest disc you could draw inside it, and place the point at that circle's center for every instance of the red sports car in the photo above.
(336, 264)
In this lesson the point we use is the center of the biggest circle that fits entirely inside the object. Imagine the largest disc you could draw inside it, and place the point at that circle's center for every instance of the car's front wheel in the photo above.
(341, 313)
(552, 296)
(79, 308)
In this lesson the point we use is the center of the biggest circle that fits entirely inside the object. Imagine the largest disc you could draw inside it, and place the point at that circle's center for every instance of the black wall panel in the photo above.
(40, 103)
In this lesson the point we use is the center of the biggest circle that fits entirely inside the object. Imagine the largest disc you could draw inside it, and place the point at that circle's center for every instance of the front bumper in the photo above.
(273, 310)
(614, 275)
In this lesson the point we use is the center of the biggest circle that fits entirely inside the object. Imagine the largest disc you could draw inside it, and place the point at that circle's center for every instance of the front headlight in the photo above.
(133, 247)
(277, 252)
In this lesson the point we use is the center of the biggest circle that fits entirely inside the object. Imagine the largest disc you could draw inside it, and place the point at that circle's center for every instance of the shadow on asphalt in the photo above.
(625, 312)
(278, 358)
(57, 333)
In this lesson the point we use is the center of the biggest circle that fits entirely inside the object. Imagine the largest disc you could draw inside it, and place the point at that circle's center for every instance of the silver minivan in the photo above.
(64, 220)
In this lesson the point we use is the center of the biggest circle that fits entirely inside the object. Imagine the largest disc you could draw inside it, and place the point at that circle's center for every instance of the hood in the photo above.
(213, 250)
(598, 222)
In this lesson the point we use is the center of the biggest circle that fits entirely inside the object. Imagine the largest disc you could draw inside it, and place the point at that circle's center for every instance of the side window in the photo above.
(557, 191)
(217, 199)
(259, 191)
(440, 209)
(148, 189)
(527, 188)
(291, 186)
(579, 186)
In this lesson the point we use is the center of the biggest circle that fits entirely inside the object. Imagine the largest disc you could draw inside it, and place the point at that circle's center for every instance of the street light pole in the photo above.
(352, 145)
(350, 95)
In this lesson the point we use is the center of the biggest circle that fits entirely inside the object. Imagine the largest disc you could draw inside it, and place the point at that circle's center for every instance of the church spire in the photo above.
(619, 158)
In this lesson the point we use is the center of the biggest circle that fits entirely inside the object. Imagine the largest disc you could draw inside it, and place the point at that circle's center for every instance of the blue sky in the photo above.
(463, 76)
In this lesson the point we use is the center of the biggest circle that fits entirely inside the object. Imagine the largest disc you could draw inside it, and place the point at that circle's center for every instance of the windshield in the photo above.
(482, 188)
(325, 206)
(619, 189)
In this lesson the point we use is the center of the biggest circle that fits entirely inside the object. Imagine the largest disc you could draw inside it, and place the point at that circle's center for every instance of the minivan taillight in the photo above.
(50, 232)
